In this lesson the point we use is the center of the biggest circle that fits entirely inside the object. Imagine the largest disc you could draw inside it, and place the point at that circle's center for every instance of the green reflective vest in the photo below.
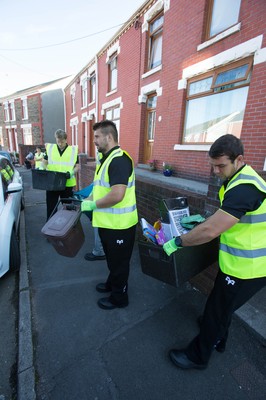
(243, 247)
(10, 171)
(38, 160)
(6, 175)
(122, 215)
(63, 163)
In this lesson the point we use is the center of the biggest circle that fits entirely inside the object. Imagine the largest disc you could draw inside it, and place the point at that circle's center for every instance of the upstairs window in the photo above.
(222, 15)
(7, 112)
(112, 64)
(24, 109)
(84, 93)
(12, 110)
(92, 88)
(155, 39)
(73, 104)
(216, 103)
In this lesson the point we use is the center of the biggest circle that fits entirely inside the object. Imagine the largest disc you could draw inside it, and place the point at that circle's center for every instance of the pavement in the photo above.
(69, 348)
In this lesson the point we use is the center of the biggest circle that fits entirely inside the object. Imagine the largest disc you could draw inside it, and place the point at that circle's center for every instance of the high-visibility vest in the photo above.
(38, 161)
(10, 171)
(243, 247)
(63, 163)
(122, 215)
(6, 175)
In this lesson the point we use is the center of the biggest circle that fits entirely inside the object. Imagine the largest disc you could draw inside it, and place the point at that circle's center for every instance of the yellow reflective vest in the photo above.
(122, 215)
(6, 175)
(243, 247)
(63, 163)
(38, 160)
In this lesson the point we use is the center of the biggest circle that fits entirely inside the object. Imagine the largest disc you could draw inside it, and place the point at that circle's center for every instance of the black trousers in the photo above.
(52, 198)
(228, 294)
(118, 246)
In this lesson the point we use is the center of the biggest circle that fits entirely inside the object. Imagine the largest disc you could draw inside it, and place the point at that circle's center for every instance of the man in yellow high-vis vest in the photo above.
(113, 203)
(241, 224)
(38, 158)
(62, 158)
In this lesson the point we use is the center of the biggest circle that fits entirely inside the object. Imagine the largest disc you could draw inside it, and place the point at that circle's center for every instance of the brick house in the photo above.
(174, 79)
(30, 117)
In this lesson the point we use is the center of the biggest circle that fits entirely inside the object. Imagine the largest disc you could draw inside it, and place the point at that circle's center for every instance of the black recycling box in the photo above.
(181, 265)
(48, 180)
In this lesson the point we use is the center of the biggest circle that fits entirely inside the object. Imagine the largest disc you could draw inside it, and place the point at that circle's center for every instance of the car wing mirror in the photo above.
(14, 187)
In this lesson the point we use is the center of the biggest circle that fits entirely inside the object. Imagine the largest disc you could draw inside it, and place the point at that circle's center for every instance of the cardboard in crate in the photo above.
(48, 180)
(64, 231)
(181, 265)
(172, 211)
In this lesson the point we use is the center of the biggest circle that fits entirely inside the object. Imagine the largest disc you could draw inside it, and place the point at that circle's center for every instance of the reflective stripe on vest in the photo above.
(122, 215)
(243, 247)
(63, 163)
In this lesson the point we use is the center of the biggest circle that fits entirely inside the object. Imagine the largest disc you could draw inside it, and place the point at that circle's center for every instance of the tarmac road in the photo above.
(77, 351)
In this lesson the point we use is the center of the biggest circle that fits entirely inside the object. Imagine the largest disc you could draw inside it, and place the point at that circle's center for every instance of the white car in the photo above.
(11, 203)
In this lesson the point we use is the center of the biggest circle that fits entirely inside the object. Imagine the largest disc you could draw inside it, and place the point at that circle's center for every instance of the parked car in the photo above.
(11, 203)
(6, 154)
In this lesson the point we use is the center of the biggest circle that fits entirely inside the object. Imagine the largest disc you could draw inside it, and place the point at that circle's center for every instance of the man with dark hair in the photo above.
(113, 203)
(241, 224)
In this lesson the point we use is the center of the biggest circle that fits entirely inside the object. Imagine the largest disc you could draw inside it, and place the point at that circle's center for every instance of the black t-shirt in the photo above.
(242, 199)
(120, 168)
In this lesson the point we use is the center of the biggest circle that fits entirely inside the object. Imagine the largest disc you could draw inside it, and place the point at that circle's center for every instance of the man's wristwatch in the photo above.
(178, 241)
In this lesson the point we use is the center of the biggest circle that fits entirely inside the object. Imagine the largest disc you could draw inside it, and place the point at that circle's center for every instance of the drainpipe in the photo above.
(96, 89)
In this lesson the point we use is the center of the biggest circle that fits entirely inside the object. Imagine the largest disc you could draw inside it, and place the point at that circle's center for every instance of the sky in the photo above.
(34, 36)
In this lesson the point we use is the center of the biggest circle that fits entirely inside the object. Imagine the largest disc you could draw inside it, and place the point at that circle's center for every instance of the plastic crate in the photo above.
(48, 180)
(181, 266)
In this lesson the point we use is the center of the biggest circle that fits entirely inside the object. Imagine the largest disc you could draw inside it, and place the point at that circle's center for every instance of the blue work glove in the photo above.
(88, 205)
(192, 221)
(170, 246)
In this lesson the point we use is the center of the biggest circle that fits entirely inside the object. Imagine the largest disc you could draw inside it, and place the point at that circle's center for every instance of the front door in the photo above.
(150, 127)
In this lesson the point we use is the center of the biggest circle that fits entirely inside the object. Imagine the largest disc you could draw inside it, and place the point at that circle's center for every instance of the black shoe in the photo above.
(221, 344)
(103, 288)
(179, 358)
(106, 304)
(92, 257)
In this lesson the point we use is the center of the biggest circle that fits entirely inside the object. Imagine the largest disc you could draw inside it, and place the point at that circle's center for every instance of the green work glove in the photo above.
(192, 221)
(170, 246)
(88, 205)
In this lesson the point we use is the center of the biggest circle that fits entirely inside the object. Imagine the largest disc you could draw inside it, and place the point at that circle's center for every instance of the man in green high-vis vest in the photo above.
(241, 224)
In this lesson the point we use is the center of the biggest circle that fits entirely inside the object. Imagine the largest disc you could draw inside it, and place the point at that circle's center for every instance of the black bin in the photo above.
(48, 180)
(181, 266)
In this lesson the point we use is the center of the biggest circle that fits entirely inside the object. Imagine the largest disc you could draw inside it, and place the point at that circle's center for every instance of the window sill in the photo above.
(152, 71)
(220, 36)
(90, 104)
(192, 147)
(110, 93)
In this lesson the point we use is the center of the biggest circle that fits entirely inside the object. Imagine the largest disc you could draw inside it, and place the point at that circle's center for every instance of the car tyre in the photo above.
(14, 256)
(22, 204)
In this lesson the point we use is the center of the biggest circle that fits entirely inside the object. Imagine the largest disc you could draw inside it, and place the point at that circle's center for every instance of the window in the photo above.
(156, 38)
(73, 105)
(84, 93)
(151, 117)
(24, 109)
(92, 87)
(7, 112)
(27, 135)
(12, 110)
(216, 103)
(222, 15)
(113, 72)
(113, 114)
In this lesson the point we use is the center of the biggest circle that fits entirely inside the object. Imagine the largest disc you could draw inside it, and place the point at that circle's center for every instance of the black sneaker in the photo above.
(103, 288)
(92, 257)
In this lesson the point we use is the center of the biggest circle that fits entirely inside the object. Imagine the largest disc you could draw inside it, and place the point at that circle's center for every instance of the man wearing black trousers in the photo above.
(241, 224)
